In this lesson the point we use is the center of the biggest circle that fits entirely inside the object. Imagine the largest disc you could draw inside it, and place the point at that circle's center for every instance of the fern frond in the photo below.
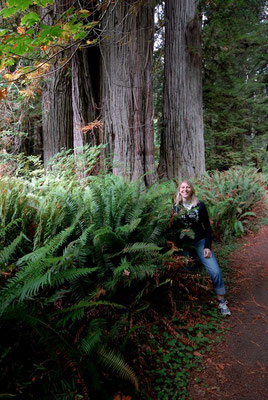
(143, 271)
(77, 311)
(141, 248)
(128, 228)
(115, 362)
(93, 339)
(71, 275)
(9, 250)
(51, 246)
(14, 223)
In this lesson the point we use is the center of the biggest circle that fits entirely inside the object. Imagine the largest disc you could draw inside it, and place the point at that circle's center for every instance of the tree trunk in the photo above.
(86, 84)
(57, 114)
(182, 137)
(127, 101)
(85, 95)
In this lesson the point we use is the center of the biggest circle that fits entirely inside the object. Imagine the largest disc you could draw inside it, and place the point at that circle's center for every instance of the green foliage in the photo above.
(33, 38)
(78, 262)
(173, 357)
(20, 165)
(230, 195)
(235, 80)
(88, 246)
(66, 165)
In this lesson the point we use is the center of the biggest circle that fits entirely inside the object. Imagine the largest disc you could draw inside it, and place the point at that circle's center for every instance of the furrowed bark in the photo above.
(182, 137)
(127, 102)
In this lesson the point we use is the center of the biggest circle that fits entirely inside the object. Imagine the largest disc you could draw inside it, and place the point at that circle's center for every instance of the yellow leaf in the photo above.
(28, 93)
(8, 77)
(84, 12)
(92, 41)
(20, 30)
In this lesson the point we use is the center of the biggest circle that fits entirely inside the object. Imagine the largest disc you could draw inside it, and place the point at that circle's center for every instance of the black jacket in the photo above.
(196, 219)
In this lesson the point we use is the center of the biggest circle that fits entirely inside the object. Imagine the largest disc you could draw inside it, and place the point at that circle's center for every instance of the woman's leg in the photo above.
(212, 268)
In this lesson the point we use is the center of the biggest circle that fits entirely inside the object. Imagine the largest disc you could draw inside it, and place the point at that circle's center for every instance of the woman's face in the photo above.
(185, 191)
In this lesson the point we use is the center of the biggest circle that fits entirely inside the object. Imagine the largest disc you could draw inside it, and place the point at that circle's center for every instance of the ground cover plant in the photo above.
(90, 291)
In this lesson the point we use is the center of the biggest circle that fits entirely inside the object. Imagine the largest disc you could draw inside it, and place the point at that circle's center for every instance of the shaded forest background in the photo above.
(108, 73)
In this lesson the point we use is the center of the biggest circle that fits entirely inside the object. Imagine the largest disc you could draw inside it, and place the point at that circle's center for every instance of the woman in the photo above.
(193, 214)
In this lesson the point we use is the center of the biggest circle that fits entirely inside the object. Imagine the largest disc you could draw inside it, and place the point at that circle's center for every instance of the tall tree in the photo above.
(85, 95)
(57, 112)
(127, 100)
(235, 82)
(182, 138)
(86, 81)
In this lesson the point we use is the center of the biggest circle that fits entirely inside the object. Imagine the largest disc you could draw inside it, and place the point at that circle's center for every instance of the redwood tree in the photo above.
(86, 81)
(127, 102)
(57, 112)
(182, 141)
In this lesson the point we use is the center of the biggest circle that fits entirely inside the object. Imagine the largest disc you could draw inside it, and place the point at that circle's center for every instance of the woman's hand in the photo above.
(207, 253)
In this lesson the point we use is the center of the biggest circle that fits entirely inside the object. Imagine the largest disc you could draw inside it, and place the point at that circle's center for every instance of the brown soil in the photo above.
(237, 367)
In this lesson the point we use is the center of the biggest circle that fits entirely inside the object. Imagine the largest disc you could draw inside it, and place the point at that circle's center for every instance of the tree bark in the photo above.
(57, 116)
(127, 101)
(85, 95)
(57, 113)
(86, 84)
(182, 137)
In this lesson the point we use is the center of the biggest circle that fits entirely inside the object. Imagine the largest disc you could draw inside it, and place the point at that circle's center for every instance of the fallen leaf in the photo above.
(20, 30)
(197, 354)
(3, 93)
(120, 396)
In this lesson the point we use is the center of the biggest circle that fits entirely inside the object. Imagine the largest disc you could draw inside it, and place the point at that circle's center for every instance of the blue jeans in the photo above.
(211, 266)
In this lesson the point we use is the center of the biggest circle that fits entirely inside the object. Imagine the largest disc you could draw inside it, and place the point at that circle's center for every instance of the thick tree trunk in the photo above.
(182, 138)
(57, 116)
(127, 102)
(57, 113)
(85, 95)
(86, 85)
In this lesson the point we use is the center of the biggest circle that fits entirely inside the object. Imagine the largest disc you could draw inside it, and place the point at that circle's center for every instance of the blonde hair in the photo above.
(194, 199)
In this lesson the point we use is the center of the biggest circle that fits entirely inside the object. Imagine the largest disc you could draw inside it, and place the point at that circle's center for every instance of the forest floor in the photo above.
(236, 368)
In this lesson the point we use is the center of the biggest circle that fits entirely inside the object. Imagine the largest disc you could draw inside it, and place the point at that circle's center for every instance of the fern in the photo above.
(12, 224)
(71, 275)
(93, 339)
(114, 361)
(141, 248)
(52, 245)
(7, 252)
(77, 311)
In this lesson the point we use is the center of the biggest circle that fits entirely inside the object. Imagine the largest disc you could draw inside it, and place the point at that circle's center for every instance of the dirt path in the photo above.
(237, 368)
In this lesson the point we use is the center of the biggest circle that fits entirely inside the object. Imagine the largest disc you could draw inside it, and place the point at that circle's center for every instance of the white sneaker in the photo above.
(224, 309)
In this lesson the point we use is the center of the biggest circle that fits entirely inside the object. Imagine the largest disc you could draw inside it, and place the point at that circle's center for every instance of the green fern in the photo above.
(115, 362)
(8, 251)
(141, 248)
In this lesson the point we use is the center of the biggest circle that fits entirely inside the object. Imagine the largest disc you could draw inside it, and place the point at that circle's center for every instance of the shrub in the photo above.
(230, 195)
(89, 255)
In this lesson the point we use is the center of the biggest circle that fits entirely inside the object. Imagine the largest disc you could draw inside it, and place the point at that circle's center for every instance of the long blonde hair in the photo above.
(194, 199)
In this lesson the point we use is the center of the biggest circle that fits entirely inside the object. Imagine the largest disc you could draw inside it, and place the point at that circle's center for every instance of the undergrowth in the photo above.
(173, 357)
(93, 293)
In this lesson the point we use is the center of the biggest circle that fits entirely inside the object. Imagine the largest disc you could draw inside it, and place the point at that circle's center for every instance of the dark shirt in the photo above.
(196, 219)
